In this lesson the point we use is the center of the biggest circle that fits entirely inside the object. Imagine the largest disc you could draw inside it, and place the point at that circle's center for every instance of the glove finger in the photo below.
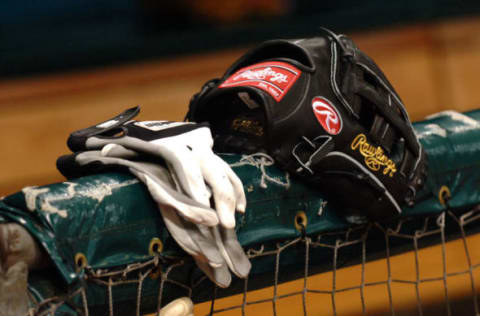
(118, 151)
(67, 166)
(196, 243)
(220, 276)
(237, 259)
(237, 184)
(80, 164)
(180, 233)
(206, 241)
(189, 171)
(195, 213)
(224, 195)
(189, 174)
(215, 251)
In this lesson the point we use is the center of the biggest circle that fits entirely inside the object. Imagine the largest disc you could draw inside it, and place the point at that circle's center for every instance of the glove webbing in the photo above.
(371, 98)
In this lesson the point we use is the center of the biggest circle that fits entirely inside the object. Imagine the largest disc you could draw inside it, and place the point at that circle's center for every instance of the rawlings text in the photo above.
(273, 77)
(375, 158)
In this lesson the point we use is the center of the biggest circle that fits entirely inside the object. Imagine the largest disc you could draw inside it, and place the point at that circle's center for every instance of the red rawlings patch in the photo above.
(327, 115)
(273, 77)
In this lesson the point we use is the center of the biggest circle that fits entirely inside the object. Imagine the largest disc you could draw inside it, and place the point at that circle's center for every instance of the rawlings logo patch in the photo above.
(327, 115)
(273, 77)
(374, 156)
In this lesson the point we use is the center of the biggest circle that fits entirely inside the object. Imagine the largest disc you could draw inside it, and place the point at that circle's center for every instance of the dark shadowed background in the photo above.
(51, 35)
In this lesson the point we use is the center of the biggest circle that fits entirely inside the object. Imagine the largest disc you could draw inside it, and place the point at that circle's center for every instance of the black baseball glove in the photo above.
(325, 112)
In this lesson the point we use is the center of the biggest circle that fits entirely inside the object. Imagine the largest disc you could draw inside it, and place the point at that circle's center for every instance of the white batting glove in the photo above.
(184, 189)
(186, 148)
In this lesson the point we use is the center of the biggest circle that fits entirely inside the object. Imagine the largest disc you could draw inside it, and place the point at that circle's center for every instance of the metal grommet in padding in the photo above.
(444, 195)
(155, 247)
(301, 221)
(80, 261)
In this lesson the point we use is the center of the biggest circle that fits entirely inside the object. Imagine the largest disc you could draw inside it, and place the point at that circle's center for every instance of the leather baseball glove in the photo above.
(326, 113)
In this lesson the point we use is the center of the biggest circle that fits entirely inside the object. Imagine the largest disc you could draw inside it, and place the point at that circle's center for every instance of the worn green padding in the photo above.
(111, 219)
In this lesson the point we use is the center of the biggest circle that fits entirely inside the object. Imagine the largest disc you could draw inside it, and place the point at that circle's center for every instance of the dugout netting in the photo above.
(346, 248)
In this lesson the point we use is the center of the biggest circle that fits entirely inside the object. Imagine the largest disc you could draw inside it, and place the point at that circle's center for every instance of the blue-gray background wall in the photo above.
(54, 35)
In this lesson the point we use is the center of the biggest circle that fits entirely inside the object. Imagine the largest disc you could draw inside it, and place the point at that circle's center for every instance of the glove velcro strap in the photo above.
(309, 153)
(152, 130)
(77, 139)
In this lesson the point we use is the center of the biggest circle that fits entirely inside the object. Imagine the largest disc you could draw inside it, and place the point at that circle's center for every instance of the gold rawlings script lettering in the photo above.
(375, 158)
